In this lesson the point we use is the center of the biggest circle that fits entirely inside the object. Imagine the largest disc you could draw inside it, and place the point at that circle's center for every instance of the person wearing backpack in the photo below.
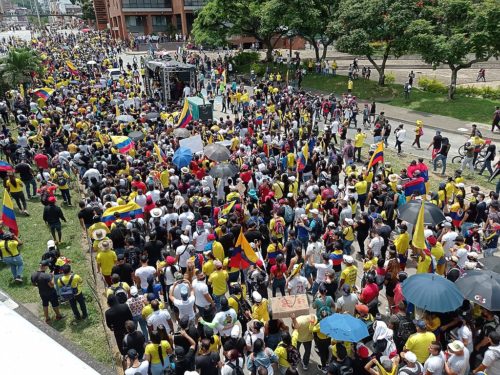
(277, 226)
(118, 288)
(341, 363)
(288, 355)
(348, 152)
(62, 180)
(70, 289)
(234, 364)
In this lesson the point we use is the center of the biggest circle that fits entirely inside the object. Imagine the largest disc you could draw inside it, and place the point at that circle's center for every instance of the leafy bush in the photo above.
(486, 92)
(390, 78)
(246, 58)
(432, 85)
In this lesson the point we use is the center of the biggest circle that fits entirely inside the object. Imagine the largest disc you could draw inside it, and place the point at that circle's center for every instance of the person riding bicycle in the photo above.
(478, 143)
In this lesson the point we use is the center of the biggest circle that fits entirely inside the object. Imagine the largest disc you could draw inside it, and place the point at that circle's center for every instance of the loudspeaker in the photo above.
(205, 112)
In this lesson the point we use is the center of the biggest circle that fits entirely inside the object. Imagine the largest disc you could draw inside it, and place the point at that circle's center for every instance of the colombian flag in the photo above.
(159, 153)
(226, 209)
(258, 119)
(123, 144)
(377, 157)
(243, 255)
(8, 215)
(185, 116)
(301, 162)
(72, 68)
(44, 93)
(5, 167)
(125, 211)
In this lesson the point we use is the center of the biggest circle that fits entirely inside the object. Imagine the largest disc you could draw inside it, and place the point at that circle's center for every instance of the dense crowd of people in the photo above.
(320, 217)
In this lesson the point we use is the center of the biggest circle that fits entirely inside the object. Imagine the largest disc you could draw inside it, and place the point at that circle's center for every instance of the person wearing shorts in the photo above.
(45, 284)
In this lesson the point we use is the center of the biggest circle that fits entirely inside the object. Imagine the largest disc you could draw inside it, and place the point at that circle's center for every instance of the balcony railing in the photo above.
(158, 4)
(194, 4)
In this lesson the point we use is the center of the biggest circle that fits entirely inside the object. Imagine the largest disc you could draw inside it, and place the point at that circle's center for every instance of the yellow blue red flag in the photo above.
(8, 215)
(243, 255)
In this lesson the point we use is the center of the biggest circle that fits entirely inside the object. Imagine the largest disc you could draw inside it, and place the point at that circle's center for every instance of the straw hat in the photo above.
(98, 234)
(105, 244)
(156, 212)
(393, 177)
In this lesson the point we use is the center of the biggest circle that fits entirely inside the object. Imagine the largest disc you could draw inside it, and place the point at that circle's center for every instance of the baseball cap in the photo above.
(314, 211)
(454, 258)
(133, 291)
(420, 323)
(456, 346)
(410, 357)
(45, 263)
(184, 293)
(348, 259)
(132, 354)
(346, 289)
(362, 308)
(120, 257)
(256, 296)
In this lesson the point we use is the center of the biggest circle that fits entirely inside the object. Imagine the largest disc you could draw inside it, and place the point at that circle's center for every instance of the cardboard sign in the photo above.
(284, 307)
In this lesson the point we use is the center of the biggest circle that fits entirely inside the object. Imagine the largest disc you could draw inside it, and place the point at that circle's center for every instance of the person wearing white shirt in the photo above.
(298, 284)
(376, 244)
(185, 219)
(348, 301)
(160, 317)
(141, 199)
(143, 272)
(154, 194)
(202, 298)
(448, 239)
(255, 331)
(186, 303)
(182, 252)
(321, 269)
(461, 254)
(434, 364)
(200, 237)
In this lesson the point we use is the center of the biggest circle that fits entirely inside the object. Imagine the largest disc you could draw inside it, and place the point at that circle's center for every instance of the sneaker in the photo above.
(322, 369)
(304, 367)
(18, 279)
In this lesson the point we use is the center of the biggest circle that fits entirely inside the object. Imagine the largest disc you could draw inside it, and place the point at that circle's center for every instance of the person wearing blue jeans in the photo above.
(442, 158)
(10, 255)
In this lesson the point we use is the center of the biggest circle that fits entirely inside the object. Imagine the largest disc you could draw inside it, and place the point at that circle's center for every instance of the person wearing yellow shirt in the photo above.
(208, 266)
(277, 226)
(215, 247)
(62, 180)
(15, 188)
(302, 335)
(76, 282)
(279, 189)
(437, 252)
(424, 261)
(419, 342)
(218, 281)
(157, 352)
(106, 259)
(349, 273)
(290, 160)
(359, 141)
(260, 309)
(402, 244)
(282, 350)
(9, 249)
(348, 236)
(362, 190)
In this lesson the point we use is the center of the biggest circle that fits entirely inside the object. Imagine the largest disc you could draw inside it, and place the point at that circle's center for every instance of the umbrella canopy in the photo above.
(136, 135)
(129, 102)
(182, 157)
(217, 152)
(432, 213)
(491, 263)
(432, 292)
(91, 62)
(343, 327)
(182, 133)
(86, 30)
(481, 287)
(152, 115)
(125, 118)
(223, 170)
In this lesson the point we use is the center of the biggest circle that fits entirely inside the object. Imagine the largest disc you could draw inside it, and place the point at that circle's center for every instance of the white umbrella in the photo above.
(125, 118)
(91, 62)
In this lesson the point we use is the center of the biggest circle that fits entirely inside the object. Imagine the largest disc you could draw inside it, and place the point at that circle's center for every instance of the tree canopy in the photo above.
(19, 67)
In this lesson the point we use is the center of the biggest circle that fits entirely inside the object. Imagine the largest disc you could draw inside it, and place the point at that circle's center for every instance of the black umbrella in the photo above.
(432, 213)
(217, 152)
(491, 263)
(481, 287)
(182, 133)
(136, 135)
(223, 170)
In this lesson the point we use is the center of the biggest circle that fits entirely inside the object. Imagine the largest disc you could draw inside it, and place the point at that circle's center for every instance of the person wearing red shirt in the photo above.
(41, 161)
(200, 173)
(278, 272)
(246, 174)
(139, 184)
(370, 291)
(264, 190)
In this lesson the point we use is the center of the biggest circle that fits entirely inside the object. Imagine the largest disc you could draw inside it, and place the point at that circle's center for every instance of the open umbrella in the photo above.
(481, 287)
(216, 152)
(86, 30)
(182, 157)
(182, 133)
(136, 135)
(152, 115)
(91, 62)
(343, 327)
(432, 292)
(432, 213)
(223, 170)
(491, 263)
(125, 118)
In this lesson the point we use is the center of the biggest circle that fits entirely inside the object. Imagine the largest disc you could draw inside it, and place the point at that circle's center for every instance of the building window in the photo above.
(134, 21)
(194, 3)
(159, 20)
(147, 3)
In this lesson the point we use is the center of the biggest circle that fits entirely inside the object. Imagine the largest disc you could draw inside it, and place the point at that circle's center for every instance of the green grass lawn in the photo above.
(463, 108)
(89, 334)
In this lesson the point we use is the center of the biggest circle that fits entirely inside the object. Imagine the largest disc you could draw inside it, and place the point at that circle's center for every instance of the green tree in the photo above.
(19, 67)
(308, 19)
(218, 20)
(457, 33)
(88, 12)
(362, 23)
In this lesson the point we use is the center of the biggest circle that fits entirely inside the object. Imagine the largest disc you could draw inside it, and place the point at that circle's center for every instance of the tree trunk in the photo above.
(316, 50)
(269, 49)
(453, 83)
(325, 50)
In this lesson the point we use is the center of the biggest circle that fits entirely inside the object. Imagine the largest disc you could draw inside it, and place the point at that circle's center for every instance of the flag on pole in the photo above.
(243, 255)
(185, 116)
(159, 153)
(71, 67)
(418, 239)
(286, 77)
(224, 78)
(123, 144)
(226, 209)
(44, 93)
(377, 157)
(117, 110)
(8, 215)
(305, 151)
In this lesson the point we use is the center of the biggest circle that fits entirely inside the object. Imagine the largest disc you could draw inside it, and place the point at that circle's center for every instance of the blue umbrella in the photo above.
(432, 292)
(343, 327)
(182, 157)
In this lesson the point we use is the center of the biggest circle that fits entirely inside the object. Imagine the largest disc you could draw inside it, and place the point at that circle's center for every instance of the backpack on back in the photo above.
(67, 292)
(279, 227)
(350, 152)
(120, 293)
(236, 369)
(292, 355)
(288, 214)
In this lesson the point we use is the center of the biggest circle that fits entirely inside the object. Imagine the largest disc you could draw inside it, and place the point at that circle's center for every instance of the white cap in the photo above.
(256, 296)
(235, 332)
(184, 239)
(349, 221)
(428, 233)
(473, 255)
(410, 357)
(314, 211)
(348, 259)
(133, 291)
(51, 243)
